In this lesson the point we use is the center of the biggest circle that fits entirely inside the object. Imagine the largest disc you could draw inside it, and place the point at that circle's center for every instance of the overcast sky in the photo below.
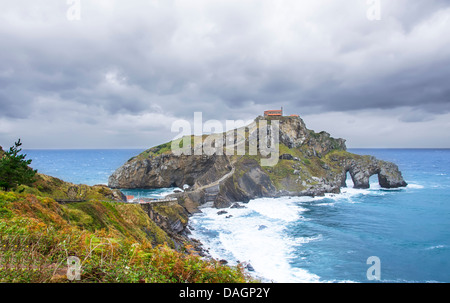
(121, 74)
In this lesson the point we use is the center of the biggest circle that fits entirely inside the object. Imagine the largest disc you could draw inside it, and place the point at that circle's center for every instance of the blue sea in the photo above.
(321, 239)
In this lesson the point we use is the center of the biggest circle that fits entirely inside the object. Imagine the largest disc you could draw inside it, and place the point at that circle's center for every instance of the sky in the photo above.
(118, 74)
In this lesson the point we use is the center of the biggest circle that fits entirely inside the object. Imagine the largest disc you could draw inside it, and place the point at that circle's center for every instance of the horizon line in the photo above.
(145, 148)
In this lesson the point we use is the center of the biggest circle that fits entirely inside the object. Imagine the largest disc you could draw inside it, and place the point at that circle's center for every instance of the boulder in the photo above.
(237, 205)
(286, 157)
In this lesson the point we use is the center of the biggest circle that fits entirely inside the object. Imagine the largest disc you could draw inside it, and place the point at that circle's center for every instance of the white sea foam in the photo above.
(326, 204)
(258, 234)
(415, 186)
(167, 191)
(281, 208)
(436, 247)
(350, 194)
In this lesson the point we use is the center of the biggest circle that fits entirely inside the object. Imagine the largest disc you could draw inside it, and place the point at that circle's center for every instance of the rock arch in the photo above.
(360, 170)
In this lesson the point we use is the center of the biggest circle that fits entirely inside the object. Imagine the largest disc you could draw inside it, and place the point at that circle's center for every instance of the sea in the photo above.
(359, 235)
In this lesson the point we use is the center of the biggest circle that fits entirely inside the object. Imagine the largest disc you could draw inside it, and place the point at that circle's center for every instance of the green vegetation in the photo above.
(14, 169)
(60, 190)
(305, 167)
(154, 151)
(280, 174)
(165, 148)
(115, 242)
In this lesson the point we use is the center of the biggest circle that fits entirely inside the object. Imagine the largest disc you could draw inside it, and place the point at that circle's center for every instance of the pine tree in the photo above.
(14, 169)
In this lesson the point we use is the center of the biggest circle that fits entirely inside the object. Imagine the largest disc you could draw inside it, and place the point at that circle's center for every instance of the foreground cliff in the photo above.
(309, 163)
(48, 222)
(114, 242)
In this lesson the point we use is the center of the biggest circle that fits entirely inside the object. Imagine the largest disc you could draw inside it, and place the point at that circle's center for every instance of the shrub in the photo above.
(14, 168)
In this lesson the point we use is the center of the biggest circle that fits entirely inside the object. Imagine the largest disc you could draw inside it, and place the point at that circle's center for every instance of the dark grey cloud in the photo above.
(230, 59)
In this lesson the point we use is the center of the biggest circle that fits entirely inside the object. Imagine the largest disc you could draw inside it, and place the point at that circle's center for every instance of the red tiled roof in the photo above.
(273, 112)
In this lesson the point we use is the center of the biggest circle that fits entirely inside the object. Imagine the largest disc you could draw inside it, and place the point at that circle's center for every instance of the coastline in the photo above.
(422, 177)
(213, 248)
(205, 252)
(252, 214)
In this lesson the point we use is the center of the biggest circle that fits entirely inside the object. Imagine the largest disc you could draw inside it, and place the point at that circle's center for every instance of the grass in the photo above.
(280, 175)
(47, 186)
(115, 242)
(154, 151)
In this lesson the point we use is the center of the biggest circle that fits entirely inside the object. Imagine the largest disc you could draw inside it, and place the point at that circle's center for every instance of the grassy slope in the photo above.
(115, 242)
(282, 174)
(55, 188)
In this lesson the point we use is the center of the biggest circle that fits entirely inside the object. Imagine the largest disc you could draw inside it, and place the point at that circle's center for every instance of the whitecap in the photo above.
(306, 240)
(277, 208)
(436, 247)
(326, 204)
(415, 186)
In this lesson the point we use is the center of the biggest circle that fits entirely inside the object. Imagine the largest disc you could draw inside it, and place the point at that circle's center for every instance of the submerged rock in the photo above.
(249, 267)
(237, 205)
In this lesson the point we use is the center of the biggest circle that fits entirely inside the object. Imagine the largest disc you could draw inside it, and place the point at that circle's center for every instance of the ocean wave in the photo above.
(279, 208)
(255, 235)
(415, 186)
(306, 240)
(167, 191)
(326, 204)
(339, 281)
(407, 281)
(436, 247)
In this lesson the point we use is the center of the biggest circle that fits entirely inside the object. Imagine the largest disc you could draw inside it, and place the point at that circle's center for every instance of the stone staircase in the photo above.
(211, 192)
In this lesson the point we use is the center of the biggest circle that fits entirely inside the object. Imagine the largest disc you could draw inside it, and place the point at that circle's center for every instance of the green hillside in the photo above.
(115, 242)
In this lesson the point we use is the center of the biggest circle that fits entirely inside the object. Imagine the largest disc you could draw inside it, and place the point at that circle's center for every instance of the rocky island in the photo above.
(310, 164)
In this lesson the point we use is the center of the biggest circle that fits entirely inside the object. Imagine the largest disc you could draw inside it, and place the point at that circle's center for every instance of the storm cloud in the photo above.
(120, 75)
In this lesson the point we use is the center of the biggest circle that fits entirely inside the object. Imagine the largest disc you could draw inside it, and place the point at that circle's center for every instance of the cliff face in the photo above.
(168, 170)
(310, 164)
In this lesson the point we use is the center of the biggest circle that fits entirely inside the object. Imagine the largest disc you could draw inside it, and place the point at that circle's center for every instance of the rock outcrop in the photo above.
(172, 219)
(362, 168)
(309, 163)
(168, 170)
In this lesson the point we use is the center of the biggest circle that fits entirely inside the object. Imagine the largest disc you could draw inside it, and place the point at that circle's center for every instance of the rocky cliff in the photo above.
(309, 163)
